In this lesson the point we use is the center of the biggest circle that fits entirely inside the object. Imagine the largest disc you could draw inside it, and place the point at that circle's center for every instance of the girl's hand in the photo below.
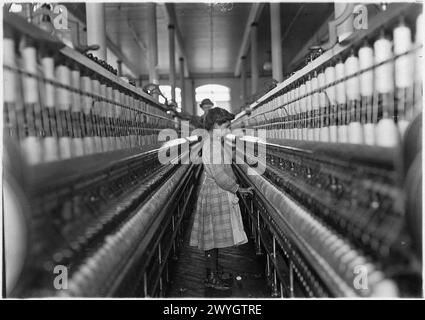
(246, 191)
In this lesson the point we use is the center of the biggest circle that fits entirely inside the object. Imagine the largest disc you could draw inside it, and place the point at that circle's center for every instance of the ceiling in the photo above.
(212, 33)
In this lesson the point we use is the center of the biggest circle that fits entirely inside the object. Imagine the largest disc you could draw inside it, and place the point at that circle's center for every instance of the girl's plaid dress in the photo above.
(212, 226)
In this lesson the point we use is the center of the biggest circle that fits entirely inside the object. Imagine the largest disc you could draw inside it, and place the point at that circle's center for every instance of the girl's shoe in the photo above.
(214, 281)
(223, 275)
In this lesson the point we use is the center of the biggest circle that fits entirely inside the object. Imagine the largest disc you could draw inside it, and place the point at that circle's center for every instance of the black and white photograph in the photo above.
(237, 151)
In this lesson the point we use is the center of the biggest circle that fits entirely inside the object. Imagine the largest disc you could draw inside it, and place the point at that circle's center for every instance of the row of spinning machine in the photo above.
(89, 208)
(338, 209)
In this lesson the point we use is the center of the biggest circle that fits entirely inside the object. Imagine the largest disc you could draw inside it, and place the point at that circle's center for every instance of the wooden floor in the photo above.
(188, 273)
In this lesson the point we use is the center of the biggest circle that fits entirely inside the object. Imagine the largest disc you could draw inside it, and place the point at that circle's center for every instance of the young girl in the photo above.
(212, 227)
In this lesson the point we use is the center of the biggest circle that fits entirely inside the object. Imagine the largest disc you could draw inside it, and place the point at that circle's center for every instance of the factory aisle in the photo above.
(187, 277)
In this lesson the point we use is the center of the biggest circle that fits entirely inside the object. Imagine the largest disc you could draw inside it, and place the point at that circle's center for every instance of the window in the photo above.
(166, 91)
(15, 7)
(218, 94)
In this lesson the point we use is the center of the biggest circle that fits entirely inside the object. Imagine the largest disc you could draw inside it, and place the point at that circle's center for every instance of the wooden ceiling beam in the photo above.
(254, 15)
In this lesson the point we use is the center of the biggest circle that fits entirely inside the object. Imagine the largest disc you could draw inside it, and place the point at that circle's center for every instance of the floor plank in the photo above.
(188, 273)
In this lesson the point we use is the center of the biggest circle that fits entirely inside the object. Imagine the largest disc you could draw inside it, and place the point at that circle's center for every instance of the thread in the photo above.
(50, 143)
(352, 89)
(31, 114)
(404, 81)
(366, 92)
(76, 109)
(331, 95)
(324, 127)
(315, 109)
(88, 136)
(64, 107)
(10, 105)
(387, 132)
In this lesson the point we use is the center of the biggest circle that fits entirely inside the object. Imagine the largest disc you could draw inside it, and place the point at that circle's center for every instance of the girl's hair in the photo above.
(217, 115)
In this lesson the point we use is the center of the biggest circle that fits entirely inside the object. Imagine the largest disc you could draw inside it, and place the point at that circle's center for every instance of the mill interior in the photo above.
(327, 135)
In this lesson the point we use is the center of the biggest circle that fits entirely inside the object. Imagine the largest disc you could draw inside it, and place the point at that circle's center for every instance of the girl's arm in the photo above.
(223, 180)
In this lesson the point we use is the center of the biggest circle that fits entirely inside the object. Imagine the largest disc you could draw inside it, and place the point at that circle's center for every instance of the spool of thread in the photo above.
(288, 115)
(294, 114)
(76, 109)
(280, 129)
(315, 108)
(303, 110)
(95, 115)
(277, 116)
(10, 86)
(287, 99)
(87, 101)
(133, 122)
(117, 122)
(387, 132)
(310, 134)
(138, 133)
(122, 120)
(285, 115)
(63, 95)
(267, 121)
(331, 94)
(419, 41)
(125, 121)
(298, 129)
(403, 64)
(102, 111)
(130, 105)
(352, 89)
(9, 58)
(50, 141)
(369, 133)
(383, 73)
(366, 92)
(30, 143)
(341, 100)
(110, 118)
(285, 107)
(324, 128)
(384, 288)
(404, 79)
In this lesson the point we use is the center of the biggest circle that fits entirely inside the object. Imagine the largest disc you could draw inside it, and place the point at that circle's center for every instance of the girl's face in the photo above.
(223, 128)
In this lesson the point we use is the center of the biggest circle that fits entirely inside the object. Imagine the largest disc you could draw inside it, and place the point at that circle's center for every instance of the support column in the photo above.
(152, 44)
(96, 28)
(254, 59)
(172, 53)
(243, 80)
(182, 85)
(276, 41)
